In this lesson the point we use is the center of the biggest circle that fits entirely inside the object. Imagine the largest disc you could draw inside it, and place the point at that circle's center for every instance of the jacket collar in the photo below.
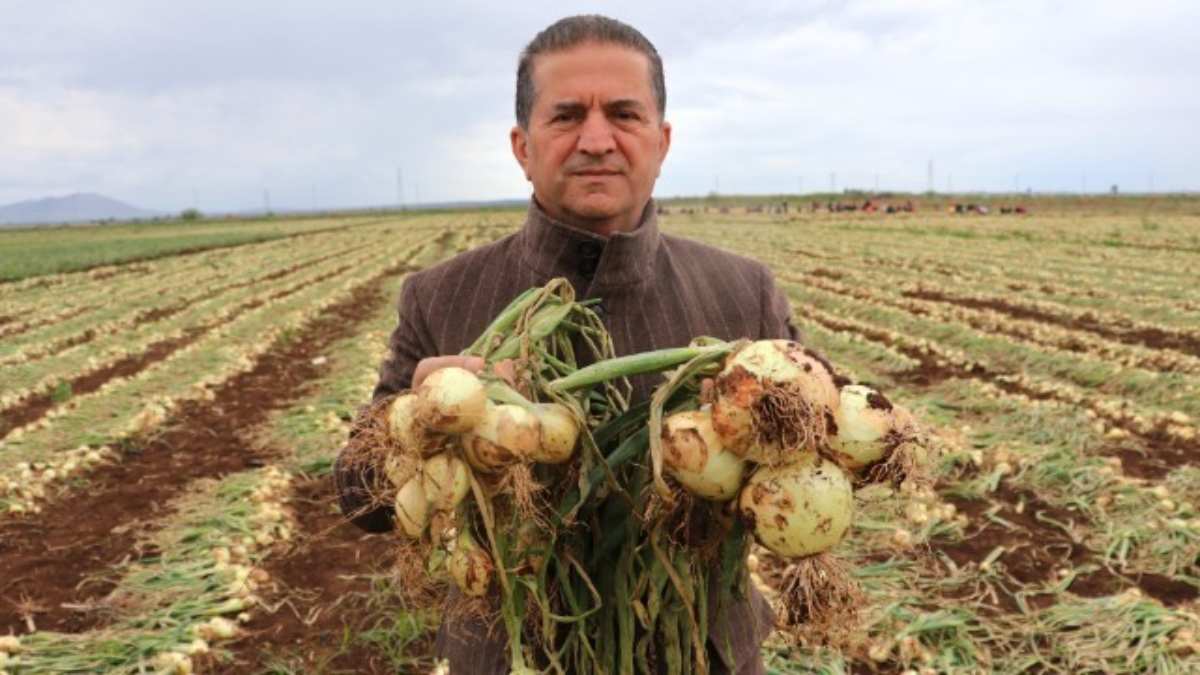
(556, 249)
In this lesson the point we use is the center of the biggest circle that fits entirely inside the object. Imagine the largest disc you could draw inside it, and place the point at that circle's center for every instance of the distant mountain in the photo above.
(76, 208)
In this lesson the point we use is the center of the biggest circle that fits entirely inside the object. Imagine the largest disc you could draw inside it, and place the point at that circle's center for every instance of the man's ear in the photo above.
(664, 142)
(520, 148)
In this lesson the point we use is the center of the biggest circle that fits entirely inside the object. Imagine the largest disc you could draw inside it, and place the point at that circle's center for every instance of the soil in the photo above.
(320, 593)
(1036, 550)
(1154, 338)
(1033, 552)
(64, 554)
(34, 407)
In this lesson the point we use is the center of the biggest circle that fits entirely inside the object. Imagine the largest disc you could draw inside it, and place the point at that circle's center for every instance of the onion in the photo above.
(451, 400)
(445, 481)
(799, 509)
(403, 424)
(875, 434)
(864, 421)
(772, 399)
(693, 453)
(470, 566)
(412, 508)
(399, 467)
(507, 434)
(559, 431)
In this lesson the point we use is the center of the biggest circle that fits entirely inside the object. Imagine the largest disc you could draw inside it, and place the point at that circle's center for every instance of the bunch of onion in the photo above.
(764, 431)
(466, 460)
(478, 441)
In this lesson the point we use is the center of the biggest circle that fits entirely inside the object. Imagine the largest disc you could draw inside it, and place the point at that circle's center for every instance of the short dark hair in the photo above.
(576, 30)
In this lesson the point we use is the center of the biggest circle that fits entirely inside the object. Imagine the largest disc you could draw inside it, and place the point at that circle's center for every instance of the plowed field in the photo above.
(167, 426)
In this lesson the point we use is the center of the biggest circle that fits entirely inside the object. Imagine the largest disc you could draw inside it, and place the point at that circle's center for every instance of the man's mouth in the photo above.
(596, 172)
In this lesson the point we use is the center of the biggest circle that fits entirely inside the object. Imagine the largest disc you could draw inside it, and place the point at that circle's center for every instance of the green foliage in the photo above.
(39, 251)
(62, 393)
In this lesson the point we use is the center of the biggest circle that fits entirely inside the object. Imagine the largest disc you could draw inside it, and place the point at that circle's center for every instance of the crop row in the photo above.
(124, 341)
(927, 611)
(968, 270)
(1175, 392)
(219, 568)
(954, 360)
(1047, 337)
(174, 284)
(137, 405)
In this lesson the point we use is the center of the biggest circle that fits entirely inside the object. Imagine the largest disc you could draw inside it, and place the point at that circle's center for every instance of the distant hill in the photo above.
(76, 208)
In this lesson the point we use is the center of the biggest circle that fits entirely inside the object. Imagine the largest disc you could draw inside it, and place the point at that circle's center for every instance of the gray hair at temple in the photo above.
(576, 30)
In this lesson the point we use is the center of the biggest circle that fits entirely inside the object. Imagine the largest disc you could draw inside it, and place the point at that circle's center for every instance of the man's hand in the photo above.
(472, 363)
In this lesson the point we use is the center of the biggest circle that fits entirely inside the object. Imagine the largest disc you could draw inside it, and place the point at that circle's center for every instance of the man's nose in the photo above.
(595, 136)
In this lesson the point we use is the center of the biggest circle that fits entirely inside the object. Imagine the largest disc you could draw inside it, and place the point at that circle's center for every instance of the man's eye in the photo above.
(627, 115)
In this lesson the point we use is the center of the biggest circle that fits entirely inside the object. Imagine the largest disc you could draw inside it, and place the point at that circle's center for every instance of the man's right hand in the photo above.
(474, 364)
(427, 366)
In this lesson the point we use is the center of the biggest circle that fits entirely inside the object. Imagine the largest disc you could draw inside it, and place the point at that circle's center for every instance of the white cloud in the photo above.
(152, 101)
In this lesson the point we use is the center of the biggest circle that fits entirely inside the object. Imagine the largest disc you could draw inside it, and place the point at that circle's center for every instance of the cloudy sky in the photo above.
(170, 104)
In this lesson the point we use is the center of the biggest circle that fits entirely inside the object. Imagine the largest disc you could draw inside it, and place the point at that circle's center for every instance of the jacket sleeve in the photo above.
(407, 345)
(776, 311)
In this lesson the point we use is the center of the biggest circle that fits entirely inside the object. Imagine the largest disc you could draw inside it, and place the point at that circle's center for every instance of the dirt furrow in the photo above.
(54, 562)
(1015, 526)
(321, 591)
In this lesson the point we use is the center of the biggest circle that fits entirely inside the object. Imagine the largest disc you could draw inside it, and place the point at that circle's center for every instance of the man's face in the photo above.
(595, 141)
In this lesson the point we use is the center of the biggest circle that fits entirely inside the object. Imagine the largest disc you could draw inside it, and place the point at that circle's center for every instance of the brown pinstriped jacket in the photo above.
(656, 291)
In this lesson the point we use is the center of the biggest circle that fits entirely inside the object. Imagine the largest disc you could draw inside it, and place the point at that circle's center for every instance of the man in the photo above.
(590, 137)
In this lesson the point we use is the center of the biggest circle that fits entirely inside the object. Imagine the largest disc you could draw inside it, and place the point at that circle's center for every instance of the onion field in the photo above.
(168, 424)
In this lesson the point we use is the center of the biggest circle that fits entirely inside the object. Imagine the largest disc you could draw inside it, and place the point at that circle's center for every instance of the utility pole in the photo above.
(400, 188)
(833, 182)
(266, 200)
(929, 172)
